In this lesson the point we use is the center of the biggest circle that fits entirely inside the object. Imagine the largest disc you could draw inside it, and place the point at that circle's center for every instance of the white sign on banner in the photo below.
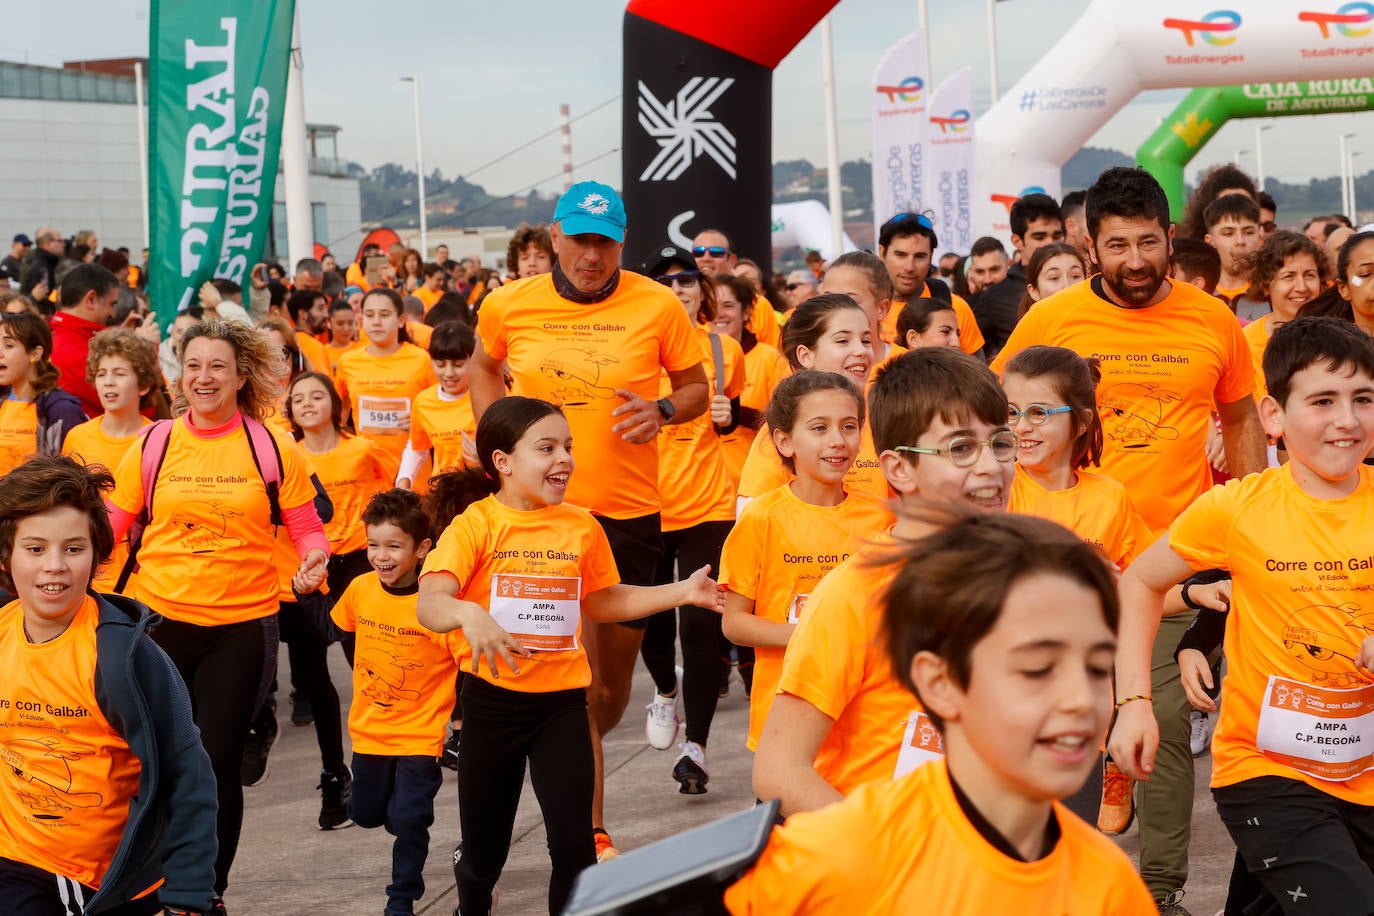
(950, 163)
(900, 91)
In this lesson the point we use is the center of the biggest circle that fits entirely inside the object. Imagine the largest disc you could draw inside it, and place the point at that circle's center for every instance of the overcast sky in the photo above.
(494, 79)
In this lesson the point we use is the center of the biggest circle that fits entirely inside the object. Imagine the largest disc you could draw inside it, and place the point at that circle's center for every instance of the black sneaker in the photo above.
(690, 770)
(302, 713)
(217, 907)
(335, 789)
(253, 767)
(448, 758)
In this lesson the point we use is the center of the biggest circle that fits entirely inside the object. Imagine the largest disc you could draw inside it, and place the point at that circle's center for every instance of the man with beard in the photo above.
(905, 244)
(1168, 352)
(309, 311)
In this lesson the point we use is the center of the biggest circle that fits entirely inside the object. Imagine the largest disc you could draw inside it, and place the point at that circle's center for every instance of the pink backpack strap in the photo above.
(154, 447)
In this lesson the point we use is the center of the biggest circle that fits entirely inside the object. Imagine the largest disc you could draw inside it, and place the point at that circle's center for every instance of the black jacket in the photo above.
(996, 307)
(42, 267)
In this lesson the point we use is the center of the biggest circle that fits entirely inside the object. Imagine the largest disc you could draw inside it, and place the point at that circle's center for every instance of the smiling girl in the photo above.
(1290, 271)
(35, 414)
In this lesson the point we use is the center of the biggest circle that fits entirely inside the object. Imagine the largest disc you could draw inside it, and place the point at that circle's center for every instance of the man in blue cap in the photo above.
(12, 267)
(597, 340)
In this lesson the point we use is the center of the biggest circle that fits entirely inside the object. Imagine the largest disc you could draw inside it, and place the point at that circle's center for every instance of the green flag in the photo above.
(217, 91)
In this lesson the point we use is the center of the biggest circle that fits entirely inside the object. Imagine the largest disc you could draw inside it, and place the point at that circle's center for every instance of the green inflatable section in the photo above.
(1203, 111)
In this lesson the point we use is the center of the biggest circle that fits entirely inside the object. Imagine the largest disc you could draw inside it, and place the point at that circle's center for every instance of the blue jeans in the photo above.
(398, 792)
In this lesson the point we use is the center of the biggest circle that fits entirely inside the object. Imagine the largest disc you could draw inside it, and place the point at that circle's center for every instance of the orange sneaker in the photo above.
(1118, 806)
(605, 847)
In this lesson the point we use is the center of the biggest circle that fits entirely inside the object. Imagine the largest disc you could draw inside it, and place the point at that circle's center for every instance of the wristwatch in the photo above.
(666, 409)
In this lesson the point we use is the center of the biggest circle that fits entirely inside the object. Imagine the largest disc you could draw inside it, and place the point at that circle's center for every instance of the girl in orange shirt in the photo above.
(764, 367)
(35, 414)
(516, 571)
(785, 541)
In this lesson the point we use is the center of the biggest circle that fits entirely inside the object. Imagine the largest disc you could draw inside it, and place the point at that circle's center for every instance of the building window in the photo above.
(320, 221)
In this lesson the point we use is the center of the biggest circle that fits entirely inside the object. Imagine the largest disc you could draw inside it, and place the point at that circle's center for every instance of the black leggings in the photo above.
(227, 669)
(308, 650)
(684, 553)
(501, 730)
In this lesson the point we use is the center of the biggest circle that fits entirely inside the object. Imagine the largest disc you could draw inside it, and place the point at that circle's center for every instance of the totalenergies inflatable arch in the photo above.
(1184, 133)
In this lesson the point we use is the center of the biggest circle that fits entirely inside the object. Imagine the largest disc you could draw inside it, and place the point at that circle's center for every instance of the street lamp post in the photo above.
(992, 49)
(420, 166)
(1259, 153)
(1354, 207)
(1345, 176)
(1239, 154)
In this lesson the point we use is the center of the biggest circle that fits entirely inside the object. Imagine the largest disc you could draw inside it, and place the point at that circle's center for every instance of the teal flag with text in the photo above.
(217, 90)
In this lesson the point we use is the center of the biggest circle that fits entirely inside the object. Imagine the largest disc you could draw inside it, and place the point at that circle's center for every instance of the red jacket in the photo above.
(71, 343)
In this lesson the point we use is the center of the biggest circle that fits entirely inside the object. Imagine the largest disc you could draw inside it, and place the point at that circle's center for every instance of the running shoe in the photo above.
(216, 907)
(690, 770)
(253, 767)
(302, 713)
(448, 759)
(335, 790)
(1118, 806)
(1200, 736)
(664, 718)
(605, 847)
(1171, 905)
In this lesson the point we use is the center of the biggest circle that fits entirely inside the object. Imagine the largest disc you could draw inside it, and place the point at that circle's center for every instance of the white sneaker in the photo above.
(690, 770)
(1200, 738)
(665, 717)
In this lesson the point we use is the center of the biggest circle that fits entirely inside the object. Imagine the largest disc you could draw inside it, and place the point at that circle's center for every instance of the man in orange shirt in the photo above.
(714, 256)
(905, 244)
(432, 286)
(596, 339)
(1169, 355)
(309, 311)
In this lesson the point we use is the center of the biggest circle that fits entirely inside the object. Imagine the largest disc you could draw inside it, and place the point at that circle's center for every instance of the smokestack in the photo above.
(567, 146)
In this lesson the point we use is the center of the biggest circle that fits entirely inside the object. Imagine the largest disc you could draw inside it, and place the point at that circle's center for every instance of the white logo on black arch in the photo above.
(684, 128)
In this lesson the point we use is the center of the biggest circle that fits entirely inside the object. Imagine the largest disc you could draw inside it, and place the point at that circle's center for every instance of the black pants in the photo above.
(398, 792)
(502, 729)
(684, 553)
(30, 891)
(308, 650)
(637, 545)
(227, 669)
(1313, 852)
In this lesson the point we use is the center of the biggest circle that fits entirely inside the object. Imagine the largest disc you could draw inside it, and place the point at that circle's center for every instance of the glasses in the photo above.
(1268, 226)
(964, 451)
(715, 251)
(921, 220)
(796, 286)
(1034, 414)
(687, 279)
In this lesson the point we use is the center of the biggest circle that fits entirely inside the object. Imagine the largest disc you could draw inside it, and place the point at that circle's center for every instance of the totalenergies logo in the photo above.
(1212, 27)
(1007, 200)
(954, 122)
(1344, 19)
(908, 90)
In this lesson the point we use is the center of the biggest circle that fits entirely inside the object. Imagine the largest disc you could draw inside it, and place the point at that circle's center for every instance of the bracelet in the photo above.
(1187, 601)
(1139, 696)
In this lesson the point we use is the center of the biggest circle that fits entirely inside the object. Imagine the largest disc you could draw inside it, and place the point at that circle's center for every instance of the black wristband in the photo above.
(1189, 601)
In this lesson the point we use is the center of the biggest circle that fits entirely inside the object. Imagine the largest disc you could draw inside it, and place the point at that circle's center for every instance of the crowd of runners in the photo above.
(948, 520)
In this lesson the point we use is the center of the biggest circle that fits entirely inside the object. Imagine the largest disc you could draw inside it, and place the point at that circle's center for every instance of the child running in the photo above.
(441, 420)
(516, 571)
(927, 323)
(1003, 627)
(785, 541)
(105, 792)
(1291, 771)
(35, 414)
(403, 678)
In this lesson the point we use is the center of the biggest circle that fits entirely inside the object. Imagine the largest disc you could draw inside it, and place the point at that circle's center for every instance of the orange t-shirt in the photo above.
(764, 367)
(1257, 334)
(906, 846)
(764, 471)
(439, 423)
(314, 352)
(970, 337)
(403, 675)
(206, 554)
(530, 571)
(763, 321)
(18, 433)
(89, 444)
(577, 356)
(778, 551)
(1163, 368)
(692, 477)
(351, 473)
(333, 354)
(837, 661)
(420, 334)
(1292, 702)
(379, 390)
(428, 296)
(68, 775)
(1096, 509)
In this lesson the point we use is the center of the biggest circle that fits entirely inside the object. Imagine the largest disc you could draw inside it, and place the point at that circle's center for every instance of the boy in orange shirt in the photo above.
(1003, 627)
(403, 689)
(841, 717)
(106, 792)
(1293, 750)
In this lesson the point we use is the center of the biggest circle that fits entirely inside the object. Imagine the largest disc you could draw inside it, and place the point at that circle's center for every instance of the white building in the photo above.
(69, 159)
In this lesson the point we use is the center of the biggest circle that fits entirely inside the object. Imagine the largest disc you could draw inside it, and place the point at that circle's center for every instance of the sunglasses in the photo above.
(715, 251)
(791, 287)
(964, 451)
(687, 279)
(921, 220)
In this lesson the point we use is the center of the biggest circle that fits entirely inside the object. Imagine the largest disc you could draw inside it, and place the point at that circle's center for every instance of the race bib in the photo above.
(794, 610)
(382, 416)
(541, 612)
(921, 744)
(1324, 733)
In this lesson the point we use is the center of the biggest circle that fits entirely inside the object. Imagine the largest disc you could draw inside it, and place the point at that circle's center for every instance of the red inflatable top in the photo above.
(763, 31)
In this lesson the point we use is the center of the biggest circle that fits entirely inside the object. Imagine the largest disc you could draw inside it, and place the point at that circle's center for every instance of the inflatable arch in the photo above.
(1202, 113)
(1116, 50)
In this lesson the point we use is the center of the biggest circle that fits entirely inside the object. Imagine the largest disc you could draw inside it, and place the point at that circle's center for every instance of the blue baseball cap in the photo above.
(591, 207)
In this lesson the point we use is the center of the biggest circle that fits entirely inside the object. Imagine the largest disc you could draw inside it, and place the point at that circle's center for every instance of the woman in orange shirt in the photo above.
(698, 512)
(516, 571)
